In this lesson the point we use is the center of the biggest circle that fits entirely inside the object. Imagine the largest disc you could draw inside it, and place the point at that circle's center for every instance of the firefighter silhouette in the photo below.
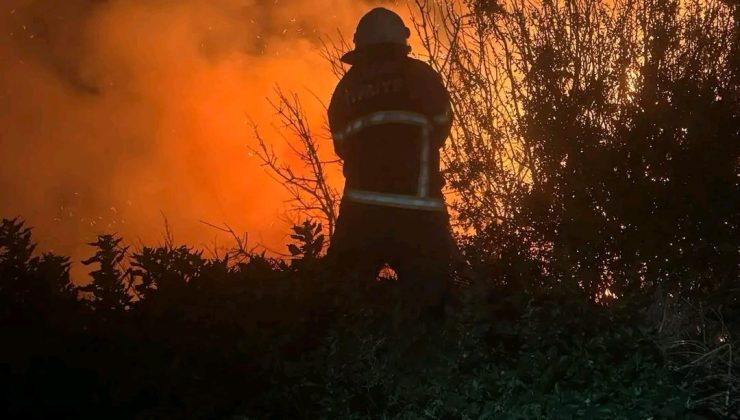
(389, 116)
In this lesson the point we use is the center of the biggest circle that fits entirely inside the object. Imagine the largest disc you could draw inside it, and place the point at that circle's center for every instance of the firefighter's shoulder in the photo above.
(422, 69)
(338, 97)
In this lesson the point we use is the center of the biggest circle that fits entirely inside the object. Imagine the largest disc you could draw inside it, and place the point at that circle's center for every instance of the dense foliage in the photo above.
(167, 333)
(602, 137)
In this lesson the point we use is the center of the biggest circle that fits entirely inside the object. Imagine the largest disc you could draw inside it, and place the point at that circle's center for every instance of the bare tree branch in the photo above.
(311, 195)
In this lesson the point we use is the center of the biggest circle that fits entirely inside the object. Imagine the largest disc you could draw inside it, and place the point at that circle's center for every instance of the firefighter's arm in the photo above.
(442, 115)
(337, 121)
(434, 101)
(442, 124)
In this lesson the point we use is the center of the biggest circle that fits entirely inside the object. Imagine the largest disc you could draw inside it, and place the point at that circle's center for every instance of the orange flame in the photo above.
(116, 112)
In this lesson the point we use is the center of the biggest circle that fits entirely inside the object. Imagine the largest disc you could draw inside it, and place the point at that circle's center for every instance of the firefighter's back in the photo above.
(386, 157)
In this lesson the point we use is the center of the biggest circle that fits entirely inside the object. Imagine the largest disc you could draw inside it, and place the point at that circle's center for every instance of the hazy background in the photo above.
(114, 112)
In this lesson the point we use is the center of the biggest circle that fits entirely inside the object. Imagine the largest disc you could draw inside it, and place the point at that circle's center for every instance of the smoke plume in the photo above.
(116, 112)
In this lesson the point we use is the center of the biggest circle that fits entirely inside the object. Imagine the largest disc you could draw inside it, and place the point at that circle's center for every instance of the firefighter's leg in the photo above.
(352, 254)
(357, 266)
(425, 269)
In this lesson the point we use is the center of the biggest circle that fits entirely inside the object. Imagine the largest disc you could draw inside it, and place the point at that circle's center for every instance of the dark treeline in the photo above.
(595, 172)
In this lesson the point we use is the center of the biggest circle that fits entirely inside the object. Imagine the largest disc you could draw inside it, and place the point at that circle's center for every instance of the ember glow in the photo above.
(114, 113)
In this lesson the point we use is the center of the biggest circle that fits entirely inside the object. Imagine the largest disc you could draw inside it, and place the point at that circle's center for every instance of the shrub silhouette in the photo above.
(32, 288)
(165, 269)
(208, 338)
(110, 284)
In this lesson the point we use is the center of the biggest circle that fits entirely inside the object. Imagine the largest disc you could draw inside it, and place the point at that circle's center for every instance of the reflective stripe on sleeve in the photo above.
(338, 136)
(443, 118)
(395, 200)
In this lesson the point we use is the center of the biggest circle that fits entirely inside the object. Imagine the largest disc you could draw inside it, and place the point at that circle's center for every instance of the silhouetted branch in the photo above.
(310, 191)
(240, 251)
(332, 50)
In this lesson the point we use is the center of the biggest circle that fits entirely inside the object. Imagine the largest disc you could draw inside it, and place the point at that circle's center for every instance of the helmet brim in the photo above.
(350, 57)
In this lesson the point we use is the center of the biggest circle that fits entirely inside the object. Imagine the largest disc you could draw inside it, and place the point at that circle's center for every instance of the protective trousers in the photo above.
(417, 244)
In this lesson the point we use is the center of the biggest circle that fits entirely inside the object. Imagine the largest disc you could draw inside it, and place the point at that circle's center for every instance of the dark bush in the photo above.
(202, 338)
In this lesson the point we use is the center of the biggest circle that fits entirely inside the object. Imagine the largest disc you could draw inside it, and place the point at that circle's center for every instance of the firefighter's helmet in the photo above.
(379, 27)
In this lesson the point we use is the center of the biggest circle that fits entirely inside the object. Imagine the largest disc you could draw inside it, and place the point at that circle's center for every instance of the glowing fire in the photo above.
(114, 113)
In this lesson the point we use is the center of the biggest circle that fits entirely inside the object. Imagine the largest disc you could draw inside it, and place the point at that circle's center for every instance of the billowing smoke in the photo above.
(114, 112)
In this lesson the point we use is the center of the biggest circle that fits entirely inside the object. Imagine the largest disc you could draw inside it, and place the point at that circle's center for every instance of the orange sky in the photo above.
(114, 112)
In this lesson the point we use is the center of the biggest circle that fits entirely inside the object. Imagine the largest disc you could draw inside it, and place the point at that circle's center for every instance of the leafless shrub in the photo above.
(312, 196)
(332, 50)
(239, 252)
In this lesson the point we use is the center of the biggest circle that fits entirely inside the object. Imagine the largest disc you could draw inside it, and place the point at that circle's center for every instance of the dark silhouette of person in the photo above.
(389, 116)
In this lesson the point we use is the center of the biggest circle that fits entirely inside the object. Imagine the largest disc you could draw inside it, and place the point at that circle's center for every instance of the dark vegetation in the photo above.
(595, 172)
(175, 335)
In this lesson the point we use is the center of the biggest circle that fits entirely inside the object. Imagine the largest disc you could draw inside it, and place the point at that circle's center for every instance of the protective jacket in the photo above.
(389, 117)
